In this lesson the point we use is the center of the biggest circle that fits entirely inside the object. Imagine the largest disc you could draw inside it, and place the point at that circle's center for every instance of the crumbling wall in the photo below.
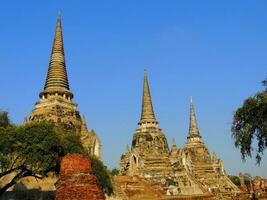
(75, 181)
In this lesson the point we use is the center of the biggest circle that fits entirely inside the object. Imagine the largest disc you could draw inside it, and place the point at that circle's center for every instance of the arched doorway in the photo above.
(133, 164)
(96, 148)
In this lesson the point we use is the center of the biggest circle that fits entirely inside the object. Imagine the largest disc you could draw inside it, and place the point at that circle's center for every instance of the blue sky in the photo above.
(215, 51)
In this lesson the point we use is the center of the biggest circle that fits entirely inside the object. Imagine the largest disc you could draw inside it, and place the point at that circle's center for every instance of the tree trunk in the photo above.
(21, 174)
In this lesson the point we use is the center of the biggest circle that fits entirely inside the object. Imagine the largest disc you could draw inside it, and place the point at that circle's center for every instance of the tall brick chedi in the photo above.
(190, 170)
(56, 100)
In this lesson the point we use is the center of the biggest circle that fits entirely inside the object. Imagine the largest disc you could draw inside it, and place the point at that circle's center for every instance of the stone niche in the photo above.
(76, 181)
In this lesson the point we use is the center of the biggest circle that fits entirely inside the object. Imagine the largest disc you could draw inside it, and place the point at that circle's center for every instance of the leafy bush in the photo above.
(33, 150)
(103, 175)
(235, 180)
(114, 172)
(4, 120)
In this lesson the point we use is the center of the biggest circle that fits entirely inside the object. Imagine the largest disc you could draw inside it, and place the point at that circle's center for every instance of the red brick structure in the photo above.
(75, 181)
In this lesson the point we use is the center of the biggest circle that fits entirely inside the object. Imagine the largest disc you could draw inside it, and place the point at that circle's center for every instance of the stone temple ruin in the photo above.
(56, 105)
(56, 100)
(190, 170)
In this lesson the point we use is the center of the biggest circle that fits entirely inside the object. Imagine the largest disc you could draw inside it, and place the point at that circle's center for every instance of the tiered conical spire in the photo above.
(174, 147)
(147, 114)
(84, 125)
(57, 80)
(193, 129)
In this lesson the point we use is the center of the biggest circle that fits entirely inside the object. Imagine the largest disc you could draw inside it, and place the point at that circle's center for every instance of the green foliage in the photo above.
(70, 142)
(102, 173)
(235, 180)
(4, 120)
(265, 84)
(33, 147)
(34, 150)
(247, 178)
(114, 172)
(250, 121)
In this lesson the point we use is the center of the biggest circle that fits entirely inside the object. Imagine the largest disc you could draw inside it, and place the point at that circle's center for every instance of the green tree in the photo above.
(33, 150)
(265, 84)
(249, 123)
(103, 175)
(4, 120)
(70, 143)
(114, 172)
(235, 180)
(247, 178)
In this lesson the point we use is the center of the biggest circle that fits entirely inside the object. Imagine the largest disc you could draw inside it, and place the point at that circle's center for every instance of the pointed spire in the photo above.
(84, 125)
(193, 129)
(92, 132)
(214, 157)
(174, 147)
(26, 120)
(57, 80)
(147, 114)
(83, 119)
(127, 148)
(173, 142)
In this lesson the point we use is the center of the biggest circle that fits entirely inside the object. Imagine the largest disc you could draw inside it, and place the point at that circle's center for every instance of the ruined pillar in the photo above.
(75, 181)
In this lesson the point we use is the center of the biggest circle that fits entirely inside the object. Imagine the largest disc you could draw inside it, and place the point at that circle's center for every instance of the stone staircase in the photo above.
(204, 170)
(205, 174)
(118, 192)
(133, 186)
(154, 164)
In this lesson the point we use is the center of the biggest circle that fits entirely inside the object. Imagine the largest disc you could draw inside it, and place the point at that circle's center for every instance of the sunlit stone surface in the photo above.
(190, 170)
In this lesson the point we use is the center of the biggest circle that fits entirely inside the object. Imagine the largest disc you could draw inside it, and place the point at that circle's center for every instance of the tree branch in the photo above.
(23, 173)
(11, 183)
(9, 171)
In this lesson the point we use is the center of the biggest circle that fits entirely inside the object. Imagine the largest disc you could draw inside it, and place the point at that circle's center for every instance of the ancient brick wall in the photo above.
(75, 181)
